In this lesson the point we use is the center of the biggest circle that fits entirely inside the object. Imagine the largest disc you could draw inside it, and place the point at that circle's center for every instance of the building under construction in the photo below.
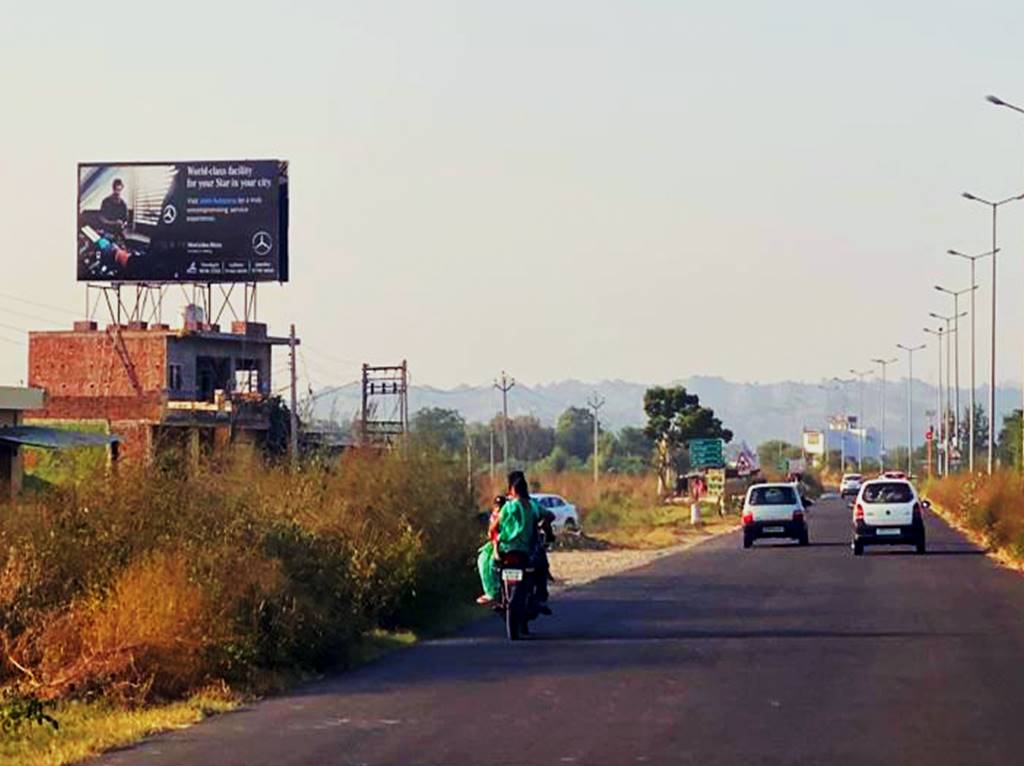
(152, 386)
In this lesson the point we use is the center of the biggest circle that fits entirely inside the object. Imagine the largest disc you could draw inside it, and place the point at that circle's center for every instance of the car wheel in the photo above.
(920, 547)
(805, 538)
(858, 548)
(747, 541)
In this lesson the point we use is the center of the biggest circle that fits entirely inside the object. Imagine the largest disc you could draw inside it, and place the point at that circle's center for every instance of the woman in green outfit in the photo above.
(513, 531)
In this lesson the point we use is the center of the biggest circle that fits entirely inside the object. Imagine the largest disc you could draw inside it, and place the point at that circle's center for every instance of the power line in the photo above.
(37, 304)
(53, 322)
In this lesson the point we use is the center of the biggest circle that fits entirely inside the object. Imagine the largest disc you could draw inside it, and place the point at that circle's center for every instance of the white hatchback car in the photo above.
(774, 510)
(850, 484)
(888, 512)
(567, 519)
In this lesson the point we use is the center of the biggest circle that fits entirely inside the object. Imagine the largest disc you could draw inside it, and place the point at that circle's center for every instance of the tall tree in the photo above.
(674, 416)
(1009, 448)
(772, 452)
(445, 428)
(980, 434)
(574, 432)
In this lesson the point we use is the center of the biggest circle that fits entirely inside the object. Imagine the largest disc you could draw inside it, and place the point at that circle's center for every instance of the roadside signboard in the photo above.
(716, 482)
(207, 221)
(797, 465)
(706, 453)
(814, 443)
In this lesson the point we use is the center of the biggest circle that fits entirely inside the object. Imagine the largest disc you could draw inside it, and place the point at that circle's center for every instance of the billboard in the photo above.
(814, 442)
(183, 221)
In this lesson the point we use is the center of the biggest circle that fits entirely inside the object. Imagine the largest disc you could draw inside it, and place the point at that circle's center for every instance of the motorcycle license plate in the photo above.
(511, 575)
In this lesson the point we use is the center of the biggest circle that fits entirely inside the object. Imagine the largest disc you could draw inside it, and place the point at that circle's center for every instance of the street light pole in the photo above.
(910, 404)
(956, 352)
(941, 418)
(974, 286)
(883, 363)
(824, 434)
(860, 419)
(949, 391)
(994, 206)
(846, 423)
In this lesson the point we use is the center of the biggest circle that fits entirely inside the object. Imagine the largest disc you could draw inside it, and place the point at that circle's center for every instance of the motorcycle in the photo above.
(523, 594)
(517, 603)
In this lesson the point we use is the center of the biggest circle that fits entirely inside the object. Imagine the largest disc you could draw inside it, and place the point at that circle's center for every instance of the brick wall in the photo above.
(101, 364)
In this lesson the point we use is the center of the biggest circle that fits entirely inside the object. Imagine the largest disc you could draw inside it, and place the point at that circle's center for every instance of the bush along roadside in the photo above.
(154, 583)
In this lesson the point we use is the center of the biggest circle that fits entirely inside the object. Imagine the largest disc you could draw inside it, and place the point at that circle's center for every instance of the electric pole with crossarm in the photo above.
(595, 403)
(504, 384)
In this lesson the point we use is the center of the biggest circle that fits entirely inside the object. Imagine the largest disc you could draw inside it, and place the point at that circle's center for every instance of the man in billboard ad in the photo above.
(183, 222)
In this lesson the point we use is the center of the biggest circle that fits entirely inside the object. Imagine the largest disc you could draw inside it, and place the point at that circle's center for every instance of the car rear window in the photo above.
(852, 476)
(888, 492)
(773, 496)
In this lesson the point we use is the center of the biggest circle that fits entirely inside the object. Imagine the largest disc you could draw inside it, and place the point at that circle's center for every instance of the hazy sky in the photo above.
(638, 190)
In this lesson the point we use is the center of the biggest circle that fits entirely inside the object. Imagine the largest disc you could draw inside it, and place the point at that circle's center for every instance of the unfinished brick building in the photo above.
(154, 386)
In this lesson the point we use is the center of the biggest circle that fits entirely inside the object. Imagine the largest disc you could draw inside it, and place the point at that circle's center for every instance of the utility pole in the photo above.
(293, 430)
(505, 385)
(492, 453)
(883, 363)
(910, 404)
(469, 462)
(595, 403)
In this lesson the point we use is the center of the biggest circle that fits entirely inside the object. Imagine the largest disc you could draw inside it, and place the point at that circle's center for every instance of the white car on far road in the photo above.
(850, 484)
(567, 519)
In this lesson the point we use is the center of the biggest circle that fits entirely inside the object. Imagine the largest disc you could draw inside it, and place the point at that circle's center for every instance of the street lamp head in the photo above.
(968, 195)
(953, 252)
(995, 100)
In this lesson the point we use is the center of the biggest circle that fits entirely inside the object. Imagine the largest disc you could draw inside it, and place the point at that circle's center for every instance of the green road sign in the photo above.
(706, 453)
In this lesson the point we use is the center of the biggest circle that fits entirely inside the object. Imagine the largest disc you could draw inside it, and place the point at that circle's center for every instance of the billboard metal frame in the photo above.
(144, 301)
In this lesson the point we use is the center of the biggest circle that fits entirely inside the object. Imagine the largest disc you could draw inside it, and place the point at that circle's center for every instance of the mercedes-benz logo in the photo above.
(170, 214)
(262, 243)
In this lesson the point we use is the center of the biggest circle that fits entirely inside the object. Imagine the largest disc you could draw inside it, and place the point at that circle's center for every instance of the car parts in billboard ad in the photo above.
(183, 221)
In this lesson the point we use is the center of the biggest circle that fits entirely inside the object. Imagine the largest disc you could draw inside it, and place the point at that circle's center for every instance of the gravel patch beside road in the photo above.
(577, 567)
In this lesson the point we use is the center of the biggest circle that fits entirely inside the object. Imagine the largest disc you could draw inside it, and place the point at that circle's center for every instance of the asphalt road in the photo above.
(775, 655)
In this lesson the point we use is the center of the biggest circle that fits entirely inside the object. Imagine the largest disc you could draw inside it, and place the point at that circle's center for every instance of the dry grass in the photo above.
(89, 729)
(149, 585)
(992, 507)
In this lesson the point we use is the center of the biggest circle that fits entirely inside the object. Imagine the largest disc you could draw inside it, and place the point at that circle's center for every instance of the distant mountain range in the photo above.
(756, 412)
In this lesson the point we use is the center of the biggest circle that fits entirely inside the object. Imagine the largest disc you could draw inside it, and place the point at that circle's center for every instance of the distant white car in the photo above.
(850, 484)
(774, 510)
(888, 512)
(567, 519)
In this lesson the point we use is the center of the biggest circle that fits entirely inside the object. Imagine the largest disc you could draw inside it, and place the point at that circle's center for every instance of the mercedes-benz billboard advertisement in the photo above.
(183, 221)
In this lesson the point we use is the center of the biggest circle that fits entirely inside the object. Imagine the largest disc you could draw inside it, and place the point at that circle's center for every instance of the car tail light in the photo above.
(798, 515)
(748, 517)
(858, 512)
(917, 509)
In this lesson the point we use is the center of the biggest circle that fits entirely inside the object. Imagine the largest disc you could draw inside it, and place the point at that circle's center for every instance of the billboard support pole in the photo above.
(293, 431)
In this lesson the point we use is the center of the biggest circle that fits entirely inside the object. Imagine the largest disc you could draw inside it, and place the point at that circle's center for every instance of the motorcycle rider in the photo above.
(514, 530)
